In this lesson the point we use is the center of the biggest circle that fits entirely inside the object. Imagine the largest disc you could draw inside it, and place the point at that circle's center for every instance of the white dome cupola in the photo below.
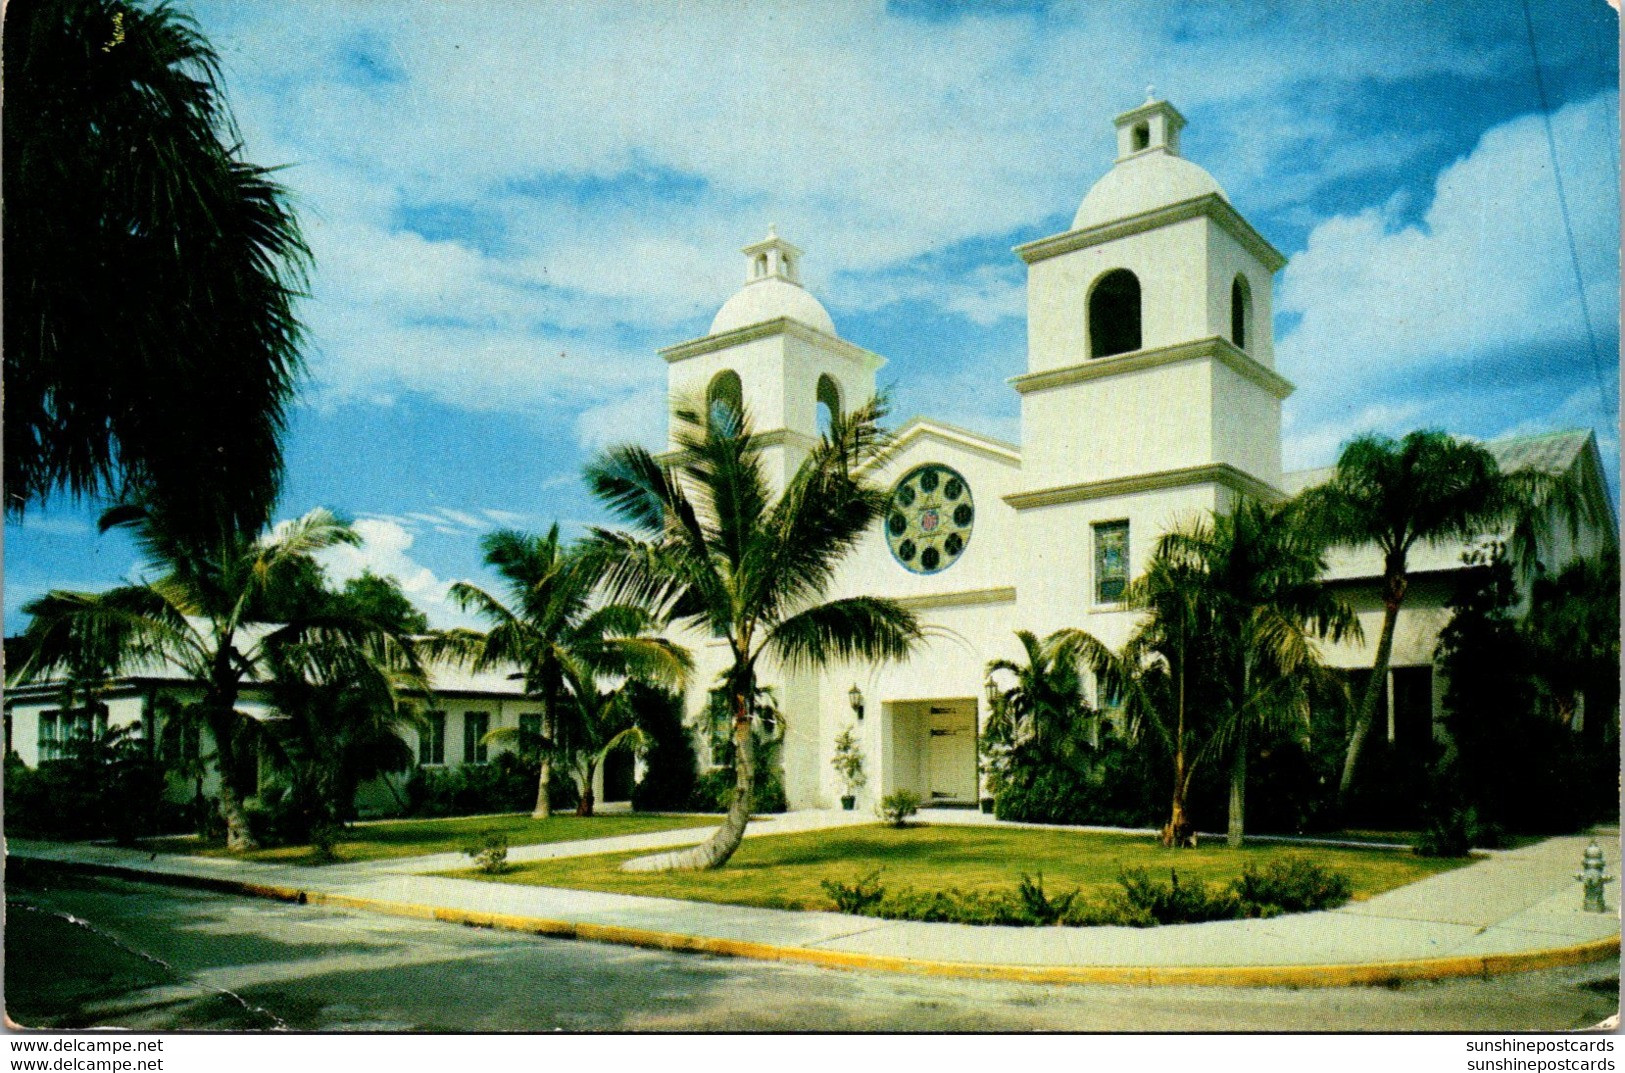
(1149, 173)
(772, 290)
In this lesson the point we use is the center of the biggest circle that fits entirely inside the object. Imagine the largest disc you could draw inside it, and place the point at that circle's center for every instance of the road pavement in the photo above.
(83, 951)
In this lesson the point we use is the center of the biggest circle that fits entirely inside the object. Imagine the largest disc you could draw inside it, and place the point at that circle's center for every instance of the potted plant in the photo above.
(848, 765)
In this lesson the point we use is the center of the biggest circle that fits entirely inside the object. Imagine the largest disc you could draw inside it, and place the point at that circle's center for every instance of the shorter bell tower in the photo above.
(772, 352)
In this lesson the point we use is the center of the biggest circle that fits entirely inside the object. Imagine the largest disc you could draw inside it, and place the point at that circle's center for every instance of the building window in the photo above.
(1114, 314)
(1142, 137)
(725, 400)
(1111, 562)
(62, 733)
(50, 728)
(475, 724)
(432, 738)
(1241, 312)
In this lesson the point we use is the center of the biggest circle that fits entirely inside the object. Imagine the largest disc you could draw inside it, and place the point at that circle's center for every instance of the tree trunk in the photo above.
(544, 808)
(584, 806)
(1178, 832)
(239, 837)
(1379, 676)
(1236, 832)
(715, 851)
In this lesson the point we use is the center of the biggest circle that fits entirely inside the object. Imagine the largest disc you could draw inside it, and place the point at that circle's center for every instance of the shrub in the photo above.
(490, 852)
(324, 840)
(896, 808)
(848, 761)
(1290, 885)
(1294, 885)
(950, 906)
(110, 788)
(714, 791)
(506, 784)
(1039, 908)
(1450, 832)
(1115, 787)
(859, 897)
(1174, 902)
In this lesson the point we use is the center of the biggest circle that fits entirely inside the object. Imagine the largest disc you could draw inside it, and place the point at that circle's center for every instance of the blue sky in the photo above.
(514, 204)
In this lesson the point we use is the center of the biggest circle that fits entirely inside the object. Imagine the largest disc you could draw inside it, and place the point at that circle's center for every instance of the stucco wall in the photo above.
(1170, 263)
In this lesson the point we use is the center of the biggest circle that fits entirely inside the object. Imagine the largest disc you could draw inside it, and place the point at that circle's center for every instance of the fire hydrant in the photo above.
(1592, 879)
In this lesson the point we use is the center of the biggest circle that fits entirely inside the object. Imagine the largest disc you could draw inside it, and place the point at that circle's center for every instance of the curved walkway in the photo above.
(1514, 911)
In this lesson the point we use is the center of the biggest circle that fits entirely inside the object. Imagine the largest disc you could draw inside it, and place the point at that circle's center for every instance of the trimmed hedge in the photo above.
(1291, 885)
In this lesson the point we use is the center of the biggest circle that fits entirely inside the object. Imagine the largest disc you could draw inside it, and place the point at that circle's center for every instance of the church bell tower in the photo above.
(1150, 395)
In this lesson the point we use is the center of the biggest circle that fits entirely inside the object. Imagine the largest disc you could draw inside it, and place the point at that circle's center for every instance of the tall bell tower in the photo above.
(1150, 395)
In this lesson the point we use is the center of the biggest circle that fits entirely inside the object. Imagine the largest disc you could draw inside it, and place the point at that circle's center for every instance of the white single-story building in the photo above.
(41, 724)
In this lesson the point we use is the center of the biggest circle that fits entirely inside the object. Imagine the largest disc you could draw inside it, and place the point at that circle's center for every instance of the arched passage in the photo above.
(1241, 312)
(1114, 314)
(829, 402)
(725, 398)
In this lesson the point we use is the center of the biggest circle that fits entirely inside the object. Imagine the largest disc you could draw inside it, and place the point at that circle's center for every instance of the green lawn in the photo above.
(784, 872)
(412, 838)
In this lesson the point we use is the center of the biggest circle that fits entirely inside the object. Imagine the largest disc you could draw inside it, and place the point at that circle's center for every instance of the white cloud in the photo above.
(636, 417)
(1318, 444)
(1487, 267)
(386, 551)
(622, 152)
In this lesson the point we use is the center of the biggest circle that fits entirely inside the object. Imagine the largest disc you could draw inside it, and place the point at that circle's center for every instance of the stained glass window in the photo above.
(929, 520)
(1111, 561)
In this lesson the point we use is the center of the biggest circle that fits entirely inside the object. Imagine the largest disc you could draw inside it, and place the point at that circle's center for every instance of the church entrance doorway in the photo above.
(950, 753)
(932, 749)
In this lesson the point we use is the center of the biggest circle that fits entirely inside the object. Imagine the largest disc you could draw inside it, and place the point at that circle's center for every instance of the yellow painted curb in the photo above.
(1343, 975)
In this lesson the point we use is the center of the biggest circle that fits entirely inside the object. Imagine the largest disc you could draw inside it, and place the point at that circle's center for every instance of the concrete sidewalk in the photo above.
(1516, 910)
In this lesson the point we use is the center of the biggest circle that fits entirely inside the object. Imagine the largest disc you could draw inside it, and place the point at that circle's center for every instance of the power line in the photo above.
(1563, 208)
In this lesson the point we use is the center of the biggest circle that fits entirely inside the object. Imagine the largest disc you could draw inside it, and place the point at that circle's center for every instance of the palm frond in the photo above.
(856, 627)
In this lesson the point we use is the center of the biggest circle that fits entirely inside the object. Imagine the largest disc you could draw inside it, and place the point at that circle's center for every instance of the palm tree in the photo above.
(1045, 707)
(602, 720)
(1259, 574)
(718, 552)
(1573, 627)
(1427, 488)
(550, 619)
(204, 615)
(1165, 675)
(151, 273)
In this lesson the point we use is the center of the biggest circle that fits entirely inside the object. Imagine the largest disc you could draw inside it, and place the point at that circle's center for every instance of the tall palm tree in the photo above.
(204, 615)
(1165, 674)
(550, 617)
(151, 272)
(1427, 488)
(1259, 573)
(717, 551)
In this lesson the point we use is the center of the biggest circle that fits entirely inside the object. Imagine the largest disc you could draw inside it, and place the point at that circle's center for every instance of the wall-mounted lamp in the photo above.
(855, 697)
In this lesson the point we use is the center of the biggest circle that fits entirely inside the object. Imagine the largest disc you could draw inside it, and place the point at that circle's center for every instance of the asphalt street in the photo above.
(84, 952)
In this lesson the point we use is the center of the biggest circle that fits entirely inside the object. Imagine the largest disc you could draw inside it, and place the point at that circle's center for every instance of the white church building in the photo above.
(1150, 398)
